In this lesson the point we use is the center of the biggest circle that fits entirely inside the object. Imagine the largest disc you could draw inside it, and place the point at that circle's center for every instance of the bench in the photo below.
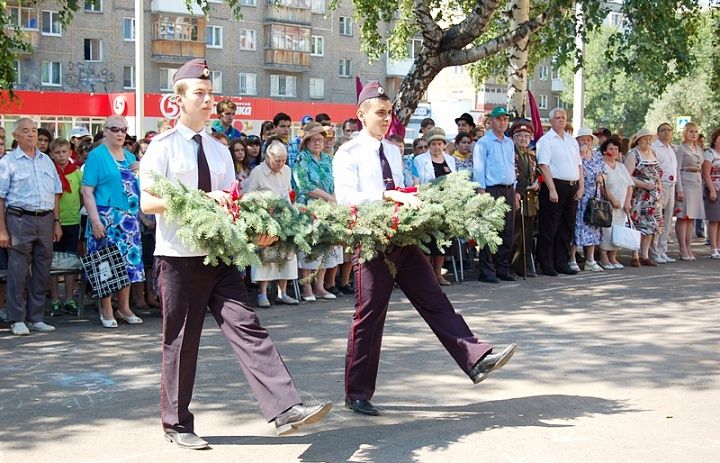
(58, 273)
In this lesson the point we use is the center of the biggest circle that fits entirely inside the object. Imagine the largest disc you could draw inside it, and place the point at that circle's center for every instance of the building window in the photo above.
(543, 72)
(129, 77)
(129, 29)
(248, 84)
(346, 26)
(414, 48)
(23, 17)
(248, 39)
(93, 49)
(318, 6)
(93, 6)
(344, 68)
(291, 38)
(555, 74)
(248, 2)
(51, 73)
(176, 28)
(543, 102)
(282, 85)
(50, 23)
(214, 36)
(216, 79)
(166, 78)
(17, 73)
(317, 45)
(317, 88)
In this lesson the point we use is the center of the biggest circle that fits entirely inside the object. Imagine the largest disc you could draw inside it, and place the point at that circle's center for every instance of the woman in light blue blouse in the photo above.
(111, 196)
(313, 178)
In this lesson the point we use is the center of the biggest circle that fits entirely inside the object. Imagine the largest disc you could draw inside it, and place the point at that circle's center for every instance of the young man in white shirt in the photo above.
(188, 287)
(368, 168)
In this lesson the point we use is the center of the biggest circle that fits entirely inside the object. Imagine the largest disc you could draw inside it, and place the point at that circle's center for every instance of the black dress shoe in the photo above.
(299, 415)
(347, 289)
(488, 279)
(507, 277)
(186, 440)
(362, 406)
(490, 363)
(549, 272)
(568, 271)
(334, 291)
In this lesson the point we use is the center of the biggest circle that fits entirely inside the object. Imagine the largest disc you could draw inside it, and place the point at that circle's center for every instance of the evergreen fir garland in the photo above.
(451, 208)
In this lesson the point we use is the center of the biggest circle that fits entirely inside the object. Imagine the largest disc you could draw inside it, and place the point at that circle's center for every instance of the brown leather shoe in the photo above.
(635, 263)
(648, 262)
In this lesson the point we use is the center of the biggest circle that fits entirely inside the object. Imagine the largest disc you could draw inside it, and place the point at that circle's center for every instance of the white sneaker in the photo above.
(41, 327)
(19, 329)
(659, 259)
(715, 254)
(668, 259)
(327, 296)
(574, 266)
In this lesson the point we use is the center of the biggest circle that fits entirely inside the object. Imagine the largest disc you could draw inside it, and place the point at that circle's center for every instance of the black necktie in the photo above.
(386, 171)
(203, 169)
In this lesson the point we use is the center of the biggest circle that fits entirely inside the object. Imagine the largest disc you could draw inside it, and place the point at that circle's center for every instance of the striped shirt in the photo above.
(27, 183)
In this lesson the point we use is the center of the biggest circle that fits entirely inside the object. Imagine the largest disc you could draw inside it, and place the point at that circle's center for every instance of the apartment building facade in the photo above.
(297, 56)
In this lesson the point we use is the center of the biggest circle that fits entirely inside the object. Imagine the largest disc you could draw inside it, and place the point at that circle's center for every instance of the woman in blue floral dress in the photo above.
(313, 179)
(587, 235)
(111, 196)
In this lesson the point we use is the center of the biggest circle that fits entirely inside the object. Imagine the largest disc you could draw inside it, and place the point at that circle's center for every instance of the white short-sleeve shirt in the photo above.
(357, 171)
(173, 154)
(561, 153)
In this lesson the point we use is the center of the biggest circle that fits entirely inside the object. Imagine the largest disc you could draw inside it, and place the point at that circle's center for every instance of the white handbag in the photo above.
(625, 237)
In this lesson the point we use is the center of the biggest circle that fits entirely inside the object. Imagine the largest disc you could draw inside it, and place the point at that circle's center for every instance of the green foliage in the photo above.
(450, 208)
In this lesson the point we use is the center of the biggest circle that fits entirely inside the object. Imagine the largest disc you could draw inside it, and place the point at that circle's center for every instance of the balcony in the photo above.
(30, 36)
(177, 38)
(557, 85)
(399, 68)
(289, 12)
(174, 6)
(286, 60)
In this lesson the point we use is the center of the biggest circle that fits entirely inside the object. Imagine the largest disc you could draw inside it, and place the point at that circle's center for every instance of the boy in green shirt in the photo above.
(70, 204)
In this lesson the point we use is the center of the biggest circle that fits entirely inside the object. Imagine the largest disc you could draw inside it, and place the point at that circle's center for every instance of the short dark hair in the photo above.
(462, 135)
(427, 121)
(612, 140)
(349, 121)
(417, 141)
(252, 140)
(322, 117)
(279, 117)
(395, 138)
(45, 132)
(713, 138)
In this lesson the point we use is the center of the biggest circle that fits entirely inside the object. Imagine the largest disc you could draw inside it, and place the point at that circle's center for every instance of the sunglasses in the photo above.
(117, 129)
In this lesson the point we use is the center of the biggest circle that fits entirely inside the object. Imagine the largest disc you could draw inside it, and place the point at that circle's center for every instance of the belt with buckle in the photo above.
(569, 182)
(16, 211)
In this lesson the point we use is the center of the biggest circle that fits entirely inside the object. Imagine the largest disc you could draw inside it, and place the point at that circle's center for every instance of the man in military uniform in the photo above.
(188, 287)
(526, 194)
(368, 168)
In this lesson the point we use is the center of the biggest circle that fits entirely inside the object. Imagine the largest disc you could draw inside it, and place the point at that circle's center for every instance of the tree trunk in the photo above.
(413, 86)
(518, 60)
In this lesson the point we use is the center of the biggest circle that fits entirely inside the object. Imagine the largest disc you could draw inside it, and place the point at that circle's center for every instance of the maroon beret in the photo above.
(372, 90)
(194, 69)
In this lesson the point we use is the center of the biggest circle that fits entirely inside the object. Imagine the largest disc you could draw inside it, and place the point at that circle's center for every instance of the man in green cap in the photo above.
(494, 171)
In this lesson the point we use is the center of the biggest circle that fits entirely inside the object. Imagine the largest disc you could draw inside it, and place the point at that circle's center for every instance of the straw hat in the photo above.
(586, 132)
(311, 128)
(644, 132)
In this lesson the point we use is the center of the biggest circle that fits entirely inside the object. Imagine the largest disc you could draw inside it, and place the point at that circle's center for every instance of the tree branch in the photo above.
(498, 44)
(431, 32)
(474, 25)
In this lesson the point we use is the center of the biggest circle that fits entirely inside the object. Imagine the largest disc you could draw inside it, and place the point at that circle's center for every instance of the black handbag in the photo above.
(105, 270)
(598, 211)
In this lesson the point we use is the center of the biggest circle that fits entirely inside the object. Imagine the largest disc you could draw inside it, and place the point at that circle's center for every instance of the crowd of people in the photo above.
(74, 196)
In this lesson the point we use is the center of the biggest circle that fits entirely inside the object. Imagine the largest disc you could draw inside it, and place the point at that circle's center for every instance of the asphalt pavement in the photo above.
(622, 365)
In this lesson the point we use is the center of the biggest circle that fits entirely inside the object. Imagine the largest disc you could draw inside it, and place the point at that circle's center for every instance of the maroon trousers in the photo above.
(373, 288)
(187, 288)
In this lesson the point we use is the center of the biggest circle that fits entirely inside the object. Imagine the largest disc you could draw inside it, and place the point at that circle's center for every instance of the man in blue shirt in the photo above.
(226, 110)
(494, 171)
(30, 189)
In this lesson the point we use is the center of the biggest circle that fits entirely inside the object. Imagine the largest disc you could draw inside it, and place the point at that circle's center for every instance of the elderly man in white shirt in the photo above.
(668, 163)
(558, 156)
